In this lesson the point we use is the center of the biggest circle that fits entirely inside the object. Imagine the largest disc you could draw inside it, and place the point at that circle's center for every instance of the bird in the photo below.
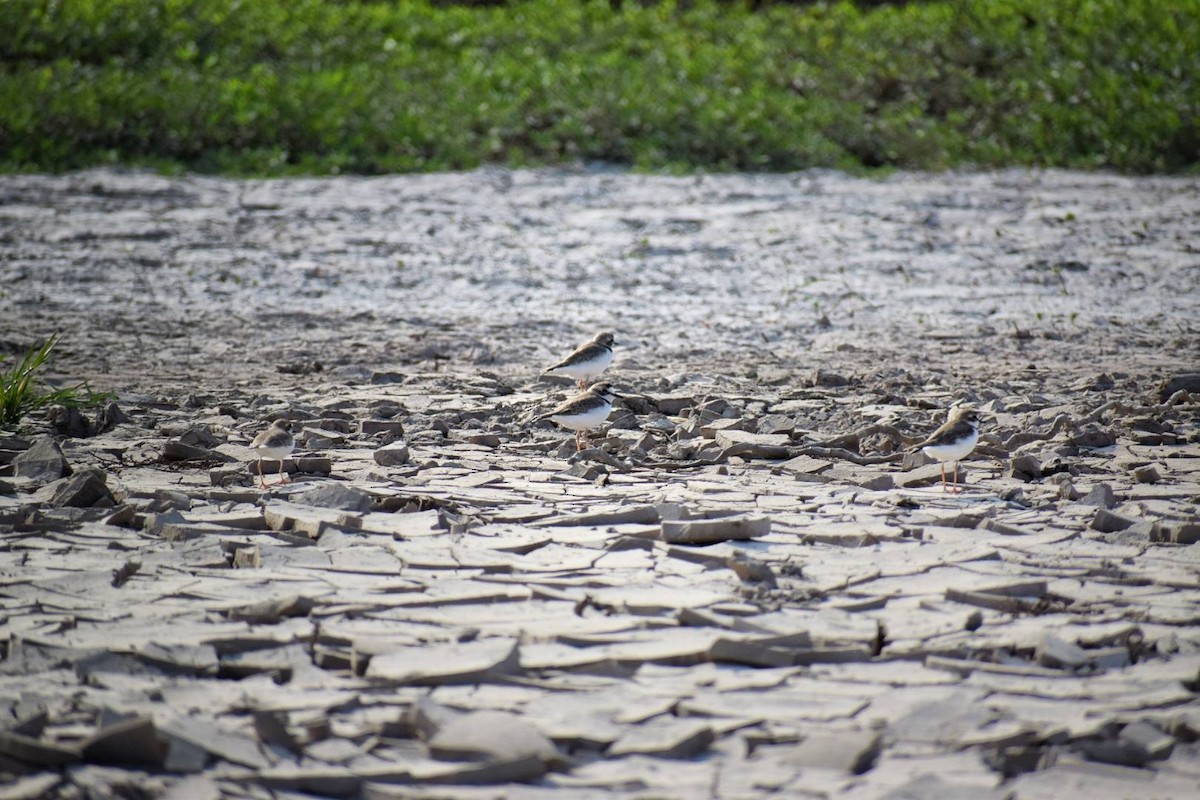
(952, 441)
(588, 360)
(275, 444)
(583, 412)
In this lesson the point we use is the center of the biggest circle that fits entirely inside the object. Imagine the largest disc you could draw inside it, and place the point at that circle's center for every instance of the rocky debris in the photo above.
(1146, 474)
(42, 463)
(84, 489)
(471, 662)
(665, 738)
(335, 495)
(392, 455)
(1106, 521)
(495, 736)
(177, 450)
(827, 621)
(1101, 495)
(1056, 653)
(1185, 382)
(853, 752)
(710, 531)
(1024, 468)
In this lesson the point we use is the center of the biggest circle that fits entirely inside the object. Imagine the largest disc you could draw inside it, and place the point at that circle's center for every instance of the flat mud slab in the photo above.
(746, 586)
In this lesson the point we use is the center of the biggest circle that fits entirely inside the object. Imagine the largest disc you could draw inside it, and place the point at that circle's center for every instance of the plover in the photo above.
(583, 412)
(953, 441)
(588, 360)
(275, 444)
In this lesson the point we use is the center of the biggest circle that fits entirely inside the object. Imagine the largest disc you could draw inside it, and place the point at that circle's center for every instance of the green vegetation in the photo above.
(19, 395)
(279, 86)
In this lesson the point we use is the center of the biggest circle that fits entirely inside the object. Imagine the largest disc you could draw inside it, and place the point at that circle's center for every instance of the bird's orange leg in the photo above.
(943, 466)
(282, 477)
(262, 482)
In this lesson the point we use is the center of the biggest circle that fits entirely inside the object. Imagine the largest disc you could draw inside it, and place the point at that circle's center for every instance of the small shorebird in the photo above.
(583, 412)
(953, 441)
(588, 360)
(275, 444)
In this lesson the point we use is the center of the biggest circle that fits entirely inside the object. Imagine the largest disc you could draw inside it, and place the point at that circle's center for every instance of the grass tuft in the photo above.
(21, 394)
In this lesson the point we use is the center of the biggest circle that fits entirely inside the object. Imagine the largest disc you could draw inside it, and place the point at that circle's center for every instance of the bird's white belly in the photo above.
(273, 453)
(954, 451)
(585, 421)
(587, 370)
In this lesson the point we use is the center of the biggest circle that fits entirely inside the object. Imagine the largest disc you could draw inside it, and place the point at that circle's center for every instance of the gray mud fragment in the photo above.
(43, 462)
(711, 531)
(434, 665)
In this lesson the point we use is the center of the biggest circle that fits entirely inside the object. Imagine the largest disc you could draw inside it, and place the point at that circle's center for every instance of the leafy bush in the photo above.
(277, 86)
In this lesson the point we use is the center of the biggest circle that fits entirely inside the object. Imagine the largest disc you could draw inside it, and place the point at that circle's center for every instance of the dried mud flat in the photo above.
(745, 589)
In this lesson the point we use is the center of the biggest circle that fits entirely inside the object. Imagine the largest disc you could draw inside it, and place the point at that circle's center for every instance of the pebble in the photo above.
(392, 455)
(43, 462)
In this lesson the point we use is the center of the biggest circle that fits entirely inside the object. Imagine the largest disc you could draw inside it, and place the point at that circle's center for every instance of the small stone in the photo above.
(776, 423)
(1187, 382)
(751, 569)
(1059, 654)
(85, 489)
(1015, 495)
(37, 751)
(710, 531)
(1093, 438)
(1100, 496)
(372, 427)
(123, 516)
(110, 417)
(490, 736)
(730, 437)
(1154, 743)
(183, 756)
(247, 558)
(586, 471)
(852, 752)
(320, 439)
(334, 495)
(878, 483)
(483, 439)
(133, 741)
(1188, 533)
(1106, 521)
(672, 406)
(70, 422)
(174, 450)
(1024, 468)
(43, 462)
(1067, 490)
(821, 377)
(1146, 474)
(392, 455)
(434, 665)
(805, 465)
(665, 738)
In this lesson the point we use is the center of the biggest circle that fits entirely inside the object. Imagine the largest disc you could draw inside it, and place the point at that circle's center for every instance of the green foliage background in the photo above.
(279, 86)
